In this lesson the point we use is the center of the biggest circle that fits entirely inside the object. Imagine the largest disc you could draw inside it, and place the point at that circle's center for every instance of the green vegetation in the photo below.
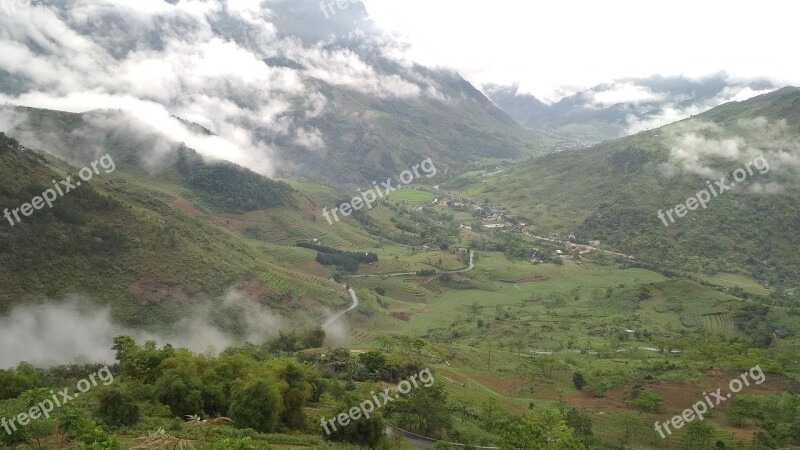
(612, 192)
(125, 246)
(531, 348)
(346, 261)
(229, 187)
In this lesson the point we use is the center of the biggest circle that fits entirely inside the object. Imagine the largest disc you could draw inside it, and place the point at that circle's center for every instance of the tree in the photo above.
(13, 383)
(491, 414)
(140, 363)
(365, 432)
(540, 431)
(475, 308)
(579, 421)
(180, 386)
(117, 409)
(423, 410)
(418, 345)
(71, 424)
(648, 401)
(698, 435)
(298, 391)
(547, 363)
(373, 362)
(579, 381)
(256, 404)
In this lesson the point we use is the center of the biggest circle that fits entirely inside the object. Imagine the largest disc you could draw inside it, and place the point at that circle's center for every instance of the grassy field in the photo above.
(513, 333)
(411, 195)
(510, 334)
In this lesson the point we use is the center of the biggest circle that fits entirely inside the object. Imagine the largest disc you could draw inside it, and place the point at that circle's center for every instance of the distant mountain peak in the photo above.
(625, 106)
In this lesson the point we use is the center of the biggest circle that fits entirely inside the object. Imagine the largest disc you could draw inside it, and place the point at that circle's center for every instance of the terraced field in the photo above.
(718, 322)
(287, 227)
(387, 266)
(399, 288)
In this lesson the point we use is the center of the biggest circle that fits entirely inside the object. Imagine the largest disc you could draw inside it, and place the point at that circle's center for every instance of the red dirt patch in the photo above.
(679, 396)
(253, 290)
(231, 224)
(152, 290)
(405, 316)
(187, 207)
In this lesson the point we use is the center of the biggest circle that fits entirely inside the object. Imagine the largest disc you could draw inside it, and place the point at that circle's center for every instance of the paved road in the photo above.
(336, 316)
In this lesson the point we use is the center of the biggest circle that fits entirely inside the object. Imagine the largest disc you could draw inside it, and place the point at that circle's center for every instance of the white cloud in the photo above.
(154, 60)
(74, 330)
(580, 43)
(674, 109)
(625, 93)
(710, 150)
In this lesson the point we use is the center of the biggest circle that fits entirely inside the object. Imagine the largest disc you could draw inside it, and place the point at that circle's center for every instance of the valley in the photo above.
(241, 285)
(506, 316)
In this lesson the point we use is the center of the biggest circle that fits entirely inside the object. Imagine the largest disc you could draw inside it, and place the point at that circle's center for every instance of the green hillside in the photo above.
(126, 246)
(78, 138)
(368, 138)
(612, 192)
(527, 332)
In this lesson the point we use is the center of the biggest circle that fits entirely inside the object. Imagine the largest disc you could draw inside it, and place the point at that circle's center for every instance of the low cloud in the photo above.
(154, 133)
(624, 93)
(204, 61)
(709, 150)
(74, 330)
(674, 109)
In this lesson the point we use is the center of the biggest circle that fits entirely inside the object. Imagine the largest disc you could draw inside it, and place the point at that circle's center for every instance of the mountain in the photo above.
(78, 138)
(281, 87)
(614, 192)
(147, 252)
(625, 106)
(163, 239)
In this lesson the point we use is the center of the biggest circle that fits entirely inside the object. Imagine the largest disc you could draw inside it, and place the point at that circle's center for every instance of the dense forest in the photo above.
(346, 261)
(230, 187)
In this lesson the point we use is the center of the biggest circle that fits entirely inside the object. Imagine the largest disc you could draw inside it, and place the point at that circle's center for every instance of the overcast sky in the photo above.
(545, 45)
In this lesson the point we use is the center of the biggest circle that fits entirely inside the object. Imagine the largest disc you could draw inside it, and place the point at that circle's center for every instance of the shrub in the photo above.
(117, 409)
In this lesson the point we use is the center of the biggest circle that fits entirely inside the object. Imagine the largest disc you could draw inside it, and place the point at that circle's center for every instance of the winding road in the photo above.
(338, 315)
(401, 274)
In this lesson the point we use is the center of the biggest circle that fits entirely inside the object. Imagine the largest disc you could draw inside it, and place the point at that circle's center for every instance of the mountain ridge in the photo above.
(329, 101)
(612, 191)
(624, 106)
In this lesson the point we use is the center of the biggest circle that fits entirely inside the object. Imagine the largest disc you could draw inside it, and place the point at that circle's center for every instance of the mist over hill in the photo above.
(625, 106)
(192, 200)
(282, 88)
